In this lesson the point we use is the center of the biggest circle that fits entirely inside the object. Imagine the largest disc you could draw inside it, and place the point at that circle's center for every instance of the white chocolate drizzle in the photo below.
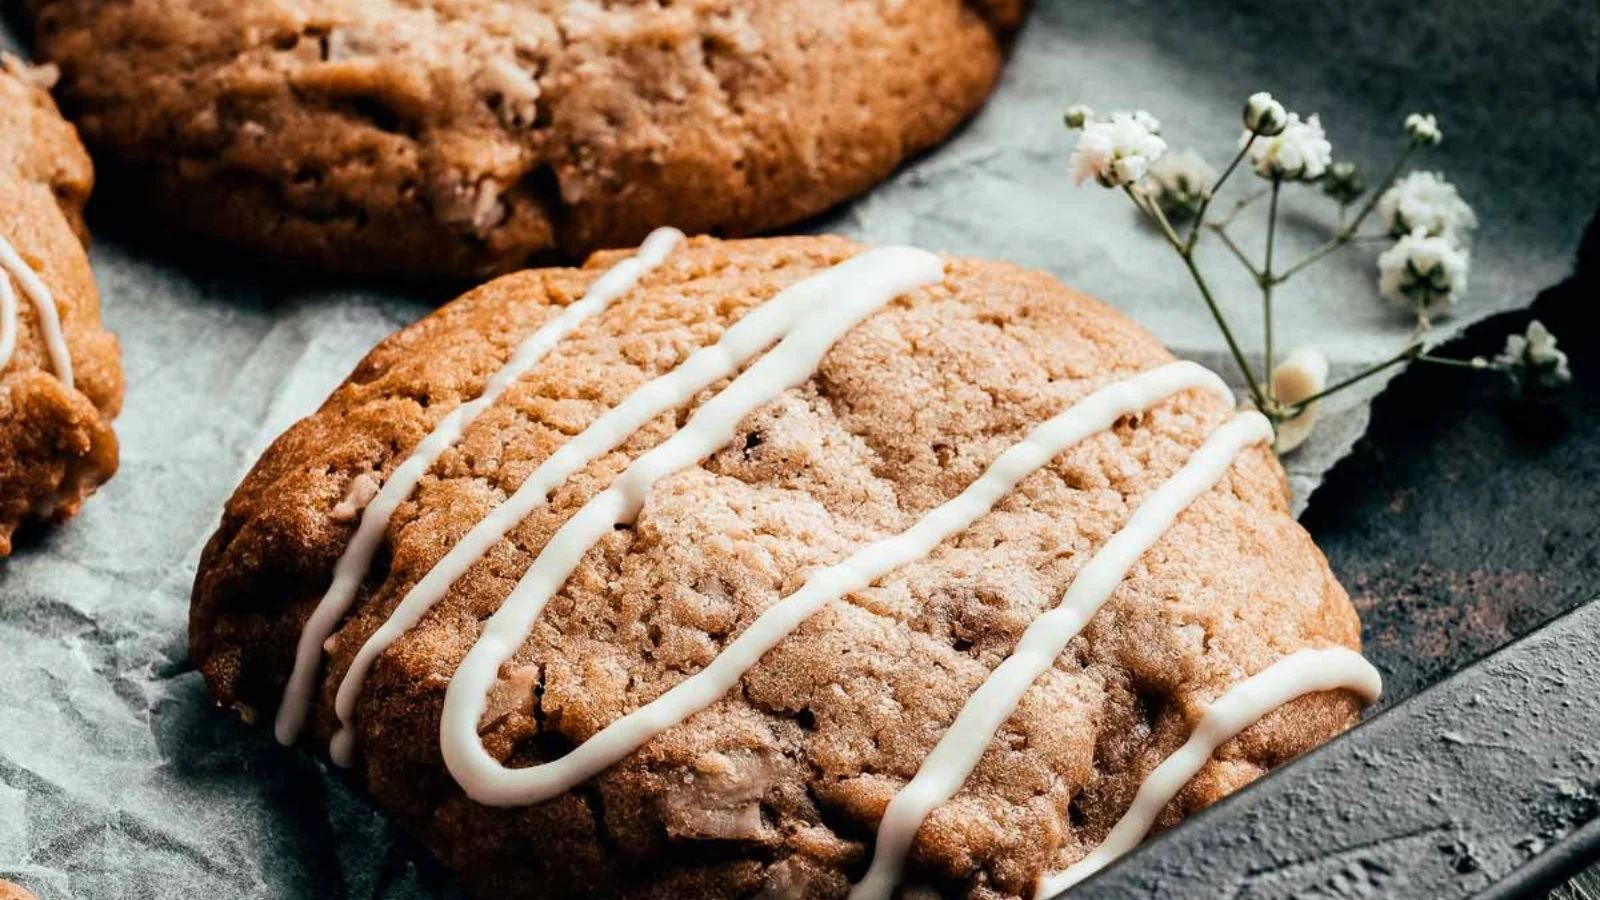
(955, 756)
(1300, 673)
(13, 265)
(900, 269)
(846, 294)
(354, 563)
(799, 325)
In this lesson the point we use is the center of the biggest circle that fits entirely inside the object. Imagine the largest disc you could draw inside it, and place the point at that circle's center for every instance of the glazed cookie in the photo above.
(779, 566)
(60, 379)
(474, 136)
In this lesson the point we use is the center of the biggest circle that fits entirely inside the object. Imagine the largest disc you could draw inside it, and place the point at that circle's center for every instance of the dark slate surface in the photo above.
(1467, 516)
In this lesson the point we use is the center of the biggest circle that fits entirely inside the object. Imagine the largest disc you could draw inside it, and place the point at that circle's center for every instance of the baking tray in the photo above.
(1465, 517)
(1463, 521)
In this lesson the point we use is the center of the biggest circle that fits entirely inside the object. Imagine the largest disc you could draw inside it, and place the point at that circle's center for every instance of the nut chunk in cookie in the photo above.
(60, 375)
(470, 137)
(789, 566)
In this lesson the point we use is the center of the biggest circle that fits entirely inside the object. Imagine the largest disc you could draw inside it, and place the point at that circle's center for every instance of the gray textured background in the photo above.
(118, 781)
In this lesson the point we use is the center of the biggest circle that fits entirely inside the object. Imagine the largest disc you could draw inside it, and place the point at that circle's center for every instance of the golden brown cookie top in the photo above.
(471, 136)
(779, 784)
(9, 891)
(56, 443)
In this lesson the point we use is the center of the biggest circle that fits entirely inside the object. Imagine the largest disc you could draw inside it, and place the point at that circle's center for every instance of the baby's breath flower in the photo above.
(1425, 200)
(1116, 151)
(1532, 359)
(1150, 122)
(1264, 115)
(1303, 374)
(1301, 152)
(1424, 129)
(1078, 115)
(1343, 182)
(1179, 183)
(1424, 273)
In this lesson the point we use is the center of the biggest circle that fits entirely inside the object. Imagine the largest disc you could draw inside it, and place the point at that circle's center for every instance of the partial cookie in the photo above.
(474, 136)
(60, 374)
(9, 891)
(780, 784)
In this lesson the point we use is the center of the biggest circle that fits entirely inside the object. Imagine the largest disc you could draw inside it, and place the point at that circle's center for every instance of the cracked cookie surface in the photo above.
(776, 789)
(468, 137)
(56, 442)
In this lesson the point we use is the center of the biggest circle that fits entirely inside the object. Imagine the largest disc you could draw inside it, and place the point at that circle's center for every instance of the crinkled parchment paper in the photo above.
(117, 780)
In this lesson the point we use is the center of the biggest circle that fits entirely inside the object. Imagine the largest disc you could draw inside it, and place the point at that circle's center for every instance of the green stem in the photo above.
(1186, 253)
(1410, 352)
(1266, 273)
(1238, 253)
(1205, 205)
(1348, 232)
(1457, 363)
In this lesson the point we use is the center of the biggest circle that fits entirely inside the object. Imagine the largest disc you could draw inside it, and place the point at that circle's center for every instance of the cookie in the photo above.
(472, 137)
(60, 375)
(9, 891)
(783, 568)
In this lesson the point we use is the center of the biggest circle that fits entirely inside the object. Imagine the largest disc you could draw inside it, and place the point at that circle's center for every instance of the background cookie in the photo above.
(779, 785)
(470, 136)
(56, 443)
(9, 891)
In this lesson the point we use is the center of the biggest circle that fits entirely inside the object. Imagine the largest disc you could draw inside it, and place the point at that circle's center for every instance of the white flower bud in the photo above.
(1264, 115)
(1116, 151)
(1425, 200)
(1532, 359)
(1423, 273)
(1078, 115)
(1343, 182)
(1424, 129)
(1299, 152)
(1179, 183)
(1303, 374)
(1150, 123)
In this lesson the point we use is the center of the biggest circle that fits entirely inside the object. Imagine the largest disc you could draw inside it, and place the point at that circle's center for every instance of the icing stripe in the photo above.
(12, 263)
(955, 756)
(746, 339)
(356, 560)
(8, 319)
(488, 782)
(1244, 704)
(843, 296)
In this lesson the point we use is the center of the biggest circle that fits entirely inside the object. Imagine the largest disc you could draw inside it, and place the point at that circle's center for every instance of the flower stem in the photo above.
(1205, 205)
(1410, 352)
(1239, 254)
(1238, 207)
(1348, 232)
(1186, 253)
(1266, 273)
(1456, 363)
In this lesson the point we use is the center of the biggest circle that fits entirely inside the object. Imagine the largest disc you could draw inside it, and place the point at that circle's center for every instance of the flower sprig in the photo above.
(1423, 272)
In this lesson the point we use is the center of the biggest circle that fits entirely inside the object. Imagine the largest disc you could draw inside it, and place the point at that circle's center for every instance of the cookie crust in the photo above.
(469, 137)
(778, 787)
(56, 442)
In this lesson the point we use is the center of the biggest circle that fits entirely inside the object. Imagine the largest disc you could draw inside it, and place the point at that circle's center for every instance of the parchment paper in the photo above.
(117, 780)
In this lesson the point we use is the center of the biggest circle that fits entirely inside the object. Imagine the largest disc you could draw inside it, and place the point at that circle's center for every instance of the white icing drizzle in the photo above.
(805, 320)
(738, 345)
(844, 296)
(12, 264)
(354, 563)
(488, 782)
(955, 756)
(1244, 704)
